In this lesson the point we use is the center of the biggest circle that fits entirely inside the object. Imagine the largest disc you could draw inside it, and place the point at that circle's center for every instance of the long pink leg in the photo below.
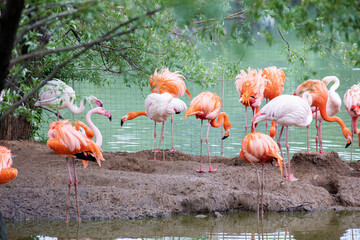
(69, 184)
(320, 139)
(163, 137)
(266, 122)
(201, 170)
(290, 176)
(317, 129)
(155, 142)
(279, 144)
(246, 127)
(172, 135)
(76, 193)
(207, 144)
(308, 149)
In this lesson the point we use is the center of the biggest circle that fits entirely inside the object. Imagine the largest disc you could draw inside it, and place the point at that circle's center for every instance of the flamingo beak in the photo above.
(348, 144)
(122, 122)
(224, 137)
(110, 117)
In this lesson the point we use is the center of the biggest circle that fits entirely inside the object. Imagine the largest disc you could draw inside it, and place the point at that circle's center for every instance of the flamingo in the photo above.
(251, 88)
(66, 141)
(2, 93)
(352, 106)
(206, 106)
(7, 173)
(333, 105)
(56, 93)
(286, 110)
(319, 94)
(170, 82)
(159, 107)
(259, 148)
(273, 87)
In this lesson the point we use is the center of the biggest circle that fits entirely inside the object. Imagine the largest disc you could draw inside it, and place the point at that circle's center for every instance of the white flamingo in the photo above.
(158, 107)
(56, 93)
(287, 110)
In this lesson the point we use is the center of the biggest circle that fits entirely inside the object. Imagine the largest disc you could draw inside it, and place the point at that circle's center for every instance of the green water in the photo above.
(243, 225)
(137, 134)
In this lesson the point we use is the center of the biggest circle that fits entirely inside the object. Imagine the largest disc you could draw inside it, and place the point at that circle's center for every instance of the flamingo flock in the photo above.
(311, 100)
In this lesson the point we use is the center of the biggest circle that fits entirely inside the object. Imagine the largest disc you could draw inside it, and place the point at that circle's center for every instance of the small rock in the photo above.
(200, 216)
(217, 214)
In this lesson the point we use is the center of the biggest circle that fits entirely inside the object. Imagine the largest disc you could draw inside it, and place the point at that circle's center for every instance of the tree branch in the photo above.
(109, 35)
(87, 46)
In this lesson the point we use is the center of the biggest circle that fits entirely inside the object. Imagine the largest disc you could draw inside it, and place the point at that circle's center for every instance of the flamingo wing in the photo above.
(206, 105)
(260, 148)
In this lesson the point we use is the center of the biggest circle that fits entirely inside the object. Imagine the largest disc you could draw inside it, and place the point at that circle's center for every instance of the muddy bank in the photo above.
(132, 185)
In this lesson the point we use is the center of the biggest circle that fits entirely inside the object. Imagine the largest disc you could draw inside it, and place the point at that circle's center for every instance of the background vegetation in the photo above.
(81, 40)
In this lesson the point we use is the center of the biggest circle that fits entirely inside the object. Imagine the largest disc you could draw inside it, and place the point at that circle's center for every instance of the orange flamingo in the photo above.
(319, 94)
(206, 106)
(273, 87)
(170, 82)
(352, 106)
(7, 173)
(66, 141)
(333, 106)
(251, 88)
(259, 148)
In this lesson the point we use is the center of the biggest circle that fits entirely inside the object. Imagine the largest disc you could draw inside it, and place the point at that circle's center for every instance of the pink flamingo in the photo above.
(259, 148)
(286, 110)
(7, 173)
(170, 82)
(319, 93)
(57, 94)
(251, 88)
(352, 106)
(206, 106)
(273, 87)
(66, 141)
(333, 105)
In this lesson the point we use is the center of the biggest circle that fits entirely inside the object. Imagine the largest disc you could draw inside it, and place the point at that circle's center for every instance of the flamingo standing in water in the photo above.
(206, 106)
(56, 93)
(333, 105)
(251, 88)
(66, 141)
(259, 148)
(352, 106)
(319, 94)
(7, 173)
(273, 87)
(170, 82)
(286, 110)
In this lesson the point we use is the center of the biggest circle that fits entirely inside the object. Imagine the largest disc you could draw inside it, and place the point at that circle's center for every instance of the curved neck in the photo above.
(75, 109)
(222, 118)
(94, 128)
(327, 118)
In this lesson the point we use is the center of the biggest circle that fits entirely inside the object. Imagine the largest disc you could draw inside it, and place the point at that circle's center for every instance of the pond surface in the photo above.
(241, 225)
(137, 134)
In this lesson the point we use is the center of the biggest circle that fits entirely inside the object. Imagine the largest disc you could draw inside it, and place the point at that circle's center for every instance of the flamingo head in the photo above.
(103, 111)
(227, 127)
(96, 101)
(347, 135)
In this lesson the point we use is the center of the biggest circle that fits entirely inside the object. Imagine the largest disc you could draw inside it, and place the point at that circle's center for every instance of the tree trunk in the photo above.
(15, 128)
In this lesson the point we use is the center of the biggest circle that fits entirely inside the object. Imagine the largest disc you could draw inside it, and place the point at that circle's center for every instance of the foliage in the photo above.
(205, 39)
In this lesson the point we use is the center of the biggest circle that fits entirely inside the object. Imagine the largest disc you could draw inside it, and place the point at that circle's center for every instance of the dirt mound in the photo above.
(133, 185)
